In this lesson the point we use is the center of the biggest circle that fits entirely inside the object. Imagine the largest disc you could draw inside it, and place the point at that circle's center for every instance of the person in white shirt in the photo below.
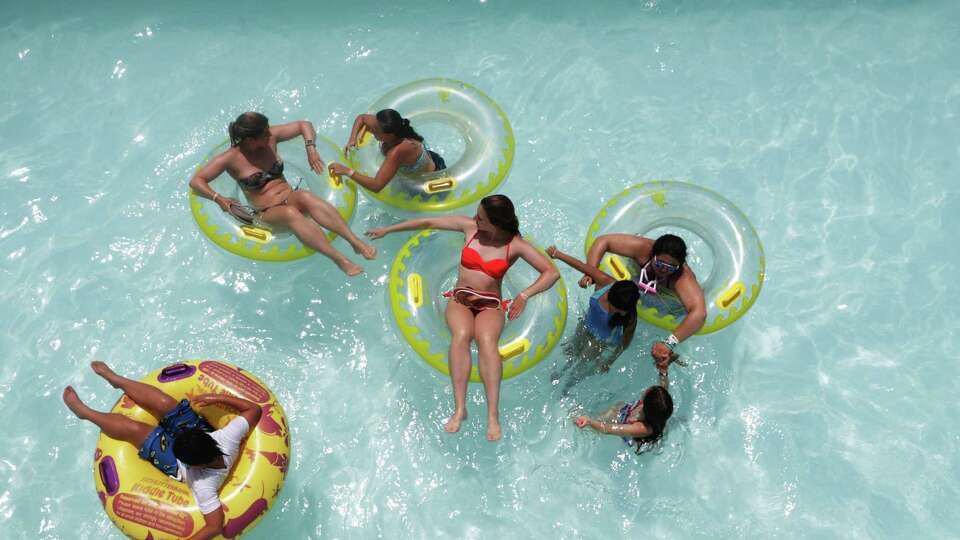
(183, 445)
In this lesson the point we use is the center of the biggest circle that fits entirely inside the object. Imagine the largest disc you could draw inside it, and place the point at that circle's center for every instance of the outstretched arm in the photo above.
(599, 277)
(628, 245)
(637, 429)
(385, 173)
(301, 128)
(444, 223)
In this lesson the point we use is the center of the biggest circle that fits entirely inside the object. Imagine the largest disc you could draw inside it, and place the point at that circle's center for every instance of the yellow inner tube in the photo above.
(145, 503)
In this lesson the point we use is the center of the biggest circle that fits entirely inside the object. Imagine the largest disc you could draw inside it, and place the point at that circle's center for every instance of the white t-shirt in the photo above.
(205, 482)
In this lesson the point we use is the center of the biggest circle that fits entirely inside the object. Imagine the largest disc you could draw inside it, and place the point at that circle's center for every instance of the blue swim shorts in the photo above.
(158, 446)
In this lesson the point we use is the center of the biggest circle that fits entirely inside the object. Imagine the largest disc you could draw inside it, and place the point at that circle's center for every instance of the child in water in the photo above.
(640, 423)
(611, 317)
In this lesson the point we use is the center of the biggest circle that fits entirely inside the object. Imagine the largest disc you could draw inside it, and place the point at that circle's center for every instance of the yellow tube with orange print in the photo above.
(146, 504)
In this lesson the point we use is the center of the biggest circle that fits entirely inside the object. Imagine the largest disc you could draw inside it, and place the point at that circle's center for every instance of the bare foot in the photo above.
(103, 370)
(349, 268)
(74, 404)
(366, 250)
(493, 429)
(453, 424)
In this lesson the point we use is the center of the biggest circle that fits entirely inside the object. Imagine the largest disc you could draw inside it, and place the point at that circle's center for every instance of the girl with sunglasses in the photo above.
(662, 266)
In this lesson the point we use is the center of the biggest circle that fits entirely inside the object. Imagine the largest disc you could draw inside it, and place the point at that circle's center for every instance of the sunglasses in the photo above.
(666, 267)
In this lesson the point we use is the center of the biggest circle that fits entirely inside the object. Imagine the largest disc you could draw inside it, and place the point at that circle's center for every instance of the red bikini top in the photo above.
(495, 268)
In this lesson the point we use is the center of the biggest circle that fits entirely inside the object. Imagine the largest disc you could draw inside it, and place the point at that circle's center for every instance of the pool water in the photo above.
(827, 411)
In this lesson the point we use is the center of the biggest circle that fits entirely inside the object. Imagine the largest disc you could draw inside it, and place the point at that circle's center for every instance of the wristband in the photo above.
(309, 142)
(671, 341)
(215, 195)
(350, 172)
(524, 296)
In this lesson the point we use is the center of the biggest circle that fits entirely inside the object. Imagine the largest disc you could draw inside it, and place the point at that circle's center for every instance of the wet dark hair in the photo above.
(247, 125)
(500, 212)
(623, 295)
(673, 246)
(195, 447)
(657, 409)
(392, 123)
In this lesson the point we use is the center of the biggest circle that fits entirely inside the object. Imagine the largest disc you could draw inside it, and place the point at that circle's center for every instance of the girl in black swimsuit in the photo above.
(253, 162)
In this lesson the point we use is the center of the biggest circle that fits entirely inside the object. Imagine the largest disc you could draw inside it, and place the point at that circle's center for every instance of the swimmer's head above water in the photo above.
(668, 256)
(657, 406)
(195, 447)
(497, 214)
(391, 127)
(250, 131)
(623, 297)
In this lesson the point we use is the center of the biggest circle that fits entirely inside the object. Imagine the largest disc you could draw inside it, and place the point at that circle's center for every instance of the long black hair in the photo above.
(657, 409)
(392, 123)
(500, 212)
(673, 246)
(247, 125)
(195, 446)
(624, 295)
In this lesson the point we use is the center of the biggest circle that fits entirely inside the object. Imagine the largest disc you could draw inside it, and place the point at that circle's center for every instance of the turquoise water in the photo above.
(826, 412)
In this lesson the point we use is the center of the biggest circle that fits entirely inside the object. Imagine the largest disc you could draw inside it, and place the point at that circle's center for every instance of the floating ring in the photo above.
(739, 265)
(486, 160)
(427, 265)
(258, 241)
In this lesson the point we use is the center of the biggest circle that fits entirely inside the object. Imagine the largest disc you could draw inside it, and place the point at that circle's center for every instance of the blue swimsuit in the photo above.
(598, 320)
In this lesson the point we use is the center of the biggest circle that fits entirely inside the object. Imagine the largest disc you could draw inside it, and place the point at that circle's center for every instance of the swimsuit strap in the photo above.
(472, 238)
(418, 164)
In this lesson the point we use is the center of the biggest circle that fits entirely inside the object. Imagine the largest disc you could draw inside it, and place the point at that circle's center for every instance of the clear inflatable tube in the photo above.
(259, 241)
(736, 277)
(487, 136)
(427, 265)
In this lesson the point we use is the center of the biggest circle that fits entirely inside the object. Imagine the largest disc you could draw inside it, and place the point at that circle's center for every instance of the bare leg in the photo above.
(115, 426)
(327, 216)
(489, 325)
(153, 400)
(460, 320)
(310, 234)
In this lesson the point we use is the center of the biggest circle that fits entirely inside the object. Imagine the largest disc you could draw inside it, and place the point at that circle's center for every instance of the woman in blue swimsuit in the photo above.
(403, 148)
(254, 163)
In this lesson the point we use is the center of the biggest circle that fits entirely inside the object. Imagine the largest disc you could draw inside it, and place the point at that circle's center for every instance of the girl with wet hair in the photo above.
(640, 424)
(662, 266)
(611, 317)
(253, 161)
(475, 308)
(403, 148)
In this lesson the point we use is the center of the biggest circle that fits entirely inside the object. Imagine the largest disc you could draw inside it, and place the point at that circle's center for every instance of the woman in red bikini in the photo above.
(476, 308)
